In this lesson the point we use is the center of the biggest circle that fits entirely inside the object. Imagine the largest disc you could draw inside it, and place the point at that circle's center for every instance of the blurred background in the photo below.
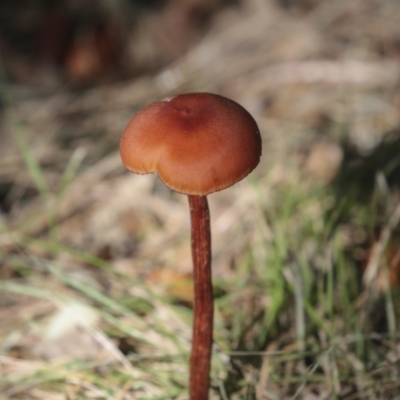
(95, 263)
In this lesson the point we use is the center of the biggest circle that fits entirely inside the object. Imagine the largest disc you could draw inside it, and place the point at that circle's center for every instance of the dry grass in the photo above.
(96, 286)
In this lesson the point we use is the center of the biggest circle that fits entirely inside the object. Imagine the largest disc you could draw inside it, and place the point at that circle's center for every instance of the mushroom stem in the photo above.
(200, 359)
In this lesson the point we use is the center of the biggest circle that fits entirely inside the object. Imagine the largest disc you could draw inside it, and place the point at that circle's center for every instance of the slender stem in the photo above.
(200, 359)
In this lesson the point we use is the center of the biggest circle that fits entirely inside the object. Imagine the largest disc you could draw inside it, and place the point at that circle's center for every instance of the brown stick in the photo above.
(200, 359)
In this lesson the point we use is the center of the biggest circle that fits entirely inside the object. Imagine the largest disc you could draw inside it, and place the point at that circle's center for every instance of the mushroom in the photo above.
(198, 143)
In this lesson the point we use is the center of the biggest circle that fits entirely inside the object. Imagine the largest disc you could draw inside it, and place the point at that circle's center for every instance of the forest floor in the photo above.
(95, 263)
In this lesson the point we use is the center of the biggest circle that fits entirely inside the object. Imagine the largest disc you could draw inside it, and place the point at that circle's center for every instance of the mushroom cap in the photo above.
(198, 143)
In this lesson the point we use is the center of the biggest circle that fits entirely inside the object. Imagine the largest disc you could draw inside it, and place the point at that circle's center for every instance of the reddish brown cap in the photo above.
(197, 142)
